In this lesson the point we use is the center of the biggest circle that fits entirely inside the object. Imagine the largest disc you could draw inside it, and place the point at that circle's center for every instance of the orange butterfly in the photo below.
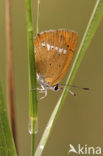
(54, 51)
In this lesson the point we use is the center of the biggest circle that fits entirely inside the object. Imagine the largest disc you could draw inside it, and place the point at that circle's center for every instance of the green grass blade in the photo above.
(7, 146)
(90, 31)
(32, 76)
(31, 63)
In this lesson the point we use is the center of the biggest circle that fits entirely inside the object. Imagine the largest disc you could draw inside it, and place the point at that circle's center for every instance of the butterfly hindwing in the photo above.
(54, 51)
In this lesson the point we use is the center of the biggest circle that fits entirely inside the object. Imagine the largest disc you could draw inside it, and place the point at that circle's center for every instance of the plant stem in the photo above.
(33, 138)
(32, 76)
(10, 73)
(90, 31)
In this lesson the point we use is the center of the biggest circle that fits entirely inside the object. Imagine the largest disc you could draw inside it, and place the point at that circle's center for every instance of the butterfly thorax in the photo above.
(45, 85)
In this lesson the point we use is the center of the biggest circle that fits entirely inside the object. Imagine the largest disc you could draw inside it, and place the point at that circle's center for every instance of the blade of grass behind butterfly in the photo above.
(32, 76)
(88, 35)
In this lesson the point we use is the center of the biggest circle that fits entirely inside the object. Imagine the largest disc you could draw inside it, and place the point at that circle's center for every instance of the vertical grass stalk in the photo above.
(32, 76)
(88, 35)
(10, 73)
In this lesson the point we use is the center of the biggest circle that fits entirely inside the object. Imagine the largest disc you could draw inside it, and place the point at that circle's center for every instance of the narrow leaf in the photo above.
(90, 31)
(7, 147)
(32, 76)
(10, 73)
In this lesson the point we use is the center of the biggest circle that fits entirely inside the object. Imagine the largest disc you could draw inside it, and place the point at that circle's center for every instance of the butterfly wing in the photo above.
(54, 51)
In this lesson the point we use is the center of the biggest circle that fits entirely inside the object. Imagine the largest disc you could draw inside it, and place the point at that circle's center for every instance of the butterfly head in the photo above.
(46, 85)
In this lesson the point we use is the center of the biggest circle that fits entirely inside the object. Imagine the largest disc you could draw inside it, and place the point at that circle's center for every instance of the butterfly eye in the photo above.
(56, 87)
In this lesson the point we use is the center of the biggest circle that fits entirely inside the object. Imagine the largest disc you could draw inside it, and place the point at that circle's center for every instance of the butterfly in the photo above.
(54, 50)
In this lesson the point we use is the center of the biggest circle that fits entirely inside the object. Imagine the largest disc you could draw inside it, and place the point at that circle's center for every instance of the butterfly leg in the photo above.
(44, 91)
(40, 89)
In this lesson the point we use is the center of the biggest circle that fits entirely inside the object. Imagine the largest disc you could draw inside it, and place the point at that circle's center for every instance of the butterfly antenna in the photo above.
(80, 87)
(74, 86)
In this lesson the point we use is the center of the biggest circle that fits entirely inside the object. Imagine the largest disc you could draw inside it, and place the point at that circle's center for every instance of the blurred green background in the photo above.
(81, 119)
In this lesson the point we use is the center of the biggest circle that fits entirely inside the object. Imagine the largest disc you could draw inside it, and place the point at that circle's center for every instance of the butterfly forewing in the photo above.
(54, 51)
